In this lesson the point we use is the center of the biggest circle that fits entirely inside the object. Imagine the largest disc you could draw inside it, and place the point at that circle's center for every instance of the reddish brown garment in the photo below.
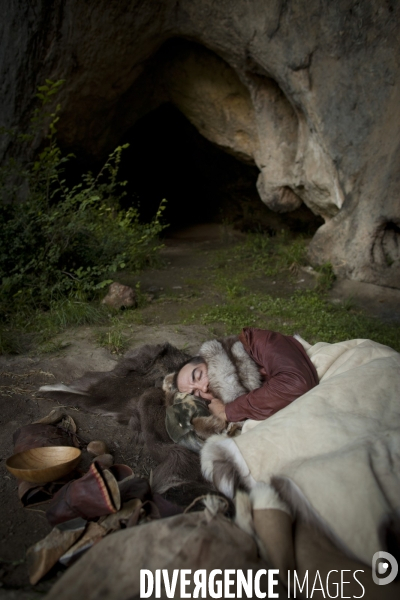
(287, 371)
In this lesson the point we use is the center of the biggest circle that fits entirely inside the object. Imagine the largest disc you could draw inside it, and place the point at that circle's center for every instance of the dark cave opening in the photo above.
(168, 158)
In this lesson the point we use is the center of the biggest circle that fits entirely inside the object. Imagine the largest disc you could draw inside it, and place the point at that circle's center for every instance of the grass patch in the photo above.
(307, 313)
(34, 328)
(226, 304)
(258, 256)
(326, 278)
(114, 339)
(271, 255)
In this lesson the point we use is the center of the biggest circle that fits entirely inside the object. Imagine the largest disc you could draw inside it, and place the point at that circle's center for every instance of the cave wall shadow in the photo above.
(168, 158)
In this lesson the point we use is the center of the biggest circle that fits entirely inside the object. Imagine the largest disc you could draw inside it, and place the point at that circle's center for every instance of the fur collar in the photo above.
(231, 371)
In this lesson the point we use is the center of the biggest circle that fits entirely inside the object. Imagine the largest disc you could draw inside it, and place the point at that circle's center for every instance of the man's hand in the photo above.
(205, 395)
(217, 408)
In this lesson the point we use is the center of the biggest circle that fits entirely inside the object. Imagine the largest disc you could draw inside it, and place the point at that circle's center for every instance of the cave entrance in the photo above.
(185, 96)
(168, 158)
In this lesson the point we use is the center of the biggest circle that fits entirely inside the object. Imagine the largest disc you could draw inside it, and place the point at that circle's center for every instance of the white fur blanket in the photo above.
(334, 453)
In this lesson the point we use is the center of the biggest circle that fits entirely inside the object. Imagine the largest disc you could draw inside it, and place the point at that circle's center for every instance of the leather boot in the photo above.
(93, 495)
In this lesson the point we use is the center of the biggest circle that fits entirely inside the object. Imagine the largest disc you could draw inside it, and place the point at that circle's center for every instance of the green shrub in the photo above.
(66, 241)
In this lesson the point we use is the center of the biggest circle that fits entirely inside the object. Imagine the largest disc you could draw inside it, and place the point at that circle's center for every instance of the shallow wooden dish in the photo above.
(41, 465)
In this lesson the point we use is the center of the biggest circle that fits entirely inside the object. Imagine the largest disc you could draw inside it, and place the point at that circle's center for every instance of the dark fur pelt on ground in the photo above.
(178, 475)
(116, 393)
(132, 393)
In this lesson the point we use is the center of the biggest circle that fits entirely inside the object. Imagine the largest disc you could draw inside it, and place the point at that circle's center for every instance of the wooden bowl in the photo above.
(41, 465)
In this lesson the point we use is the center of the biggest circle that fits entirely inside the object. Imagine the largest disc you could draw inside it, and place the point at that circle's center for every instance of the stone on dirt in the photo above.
(97, 447)
(120, 296)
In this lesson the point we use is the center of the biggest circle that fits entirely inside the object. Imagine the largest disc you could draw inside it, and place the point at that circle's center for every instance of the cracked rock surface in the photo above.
(306, 91)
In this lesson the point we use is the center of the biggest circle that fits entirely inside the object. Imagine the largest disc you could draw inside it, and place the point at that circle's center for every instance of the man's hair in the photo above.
(195, 360)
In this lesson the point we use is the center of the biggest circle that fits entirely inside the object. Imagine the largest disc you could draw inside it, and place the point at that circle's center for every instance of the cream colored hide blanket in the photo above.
(334, 453)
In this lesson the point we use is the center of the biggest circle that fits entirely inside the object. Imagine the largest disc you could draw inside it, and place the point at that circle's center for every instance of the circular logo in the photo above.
(384, 568)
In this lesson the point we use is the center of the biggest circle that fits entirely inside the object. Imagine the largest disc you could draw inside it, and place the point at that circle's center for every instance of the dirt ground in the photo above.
(186, 255)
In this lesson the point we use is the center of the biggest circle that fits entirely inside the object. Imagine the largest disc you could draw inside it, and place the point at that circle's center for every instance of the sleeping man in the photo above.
(250, 376)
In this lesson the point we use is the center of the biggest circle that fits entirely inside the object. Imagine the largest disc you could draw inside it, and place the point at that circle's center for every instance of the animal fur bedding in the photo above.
(333, 455)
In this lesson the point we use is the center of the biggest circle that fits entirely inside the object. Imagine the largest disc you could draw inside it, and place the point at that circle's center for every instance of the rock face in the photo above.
(307, 90)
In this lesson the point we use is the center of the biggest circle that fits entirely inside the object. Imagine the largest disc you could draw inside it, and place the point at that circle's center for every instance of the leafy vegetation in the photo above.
(63, 244)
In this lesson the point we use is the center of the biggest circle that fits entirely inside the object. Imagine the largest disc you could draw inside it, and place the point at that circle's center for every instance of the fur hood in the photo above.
(231, 371)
